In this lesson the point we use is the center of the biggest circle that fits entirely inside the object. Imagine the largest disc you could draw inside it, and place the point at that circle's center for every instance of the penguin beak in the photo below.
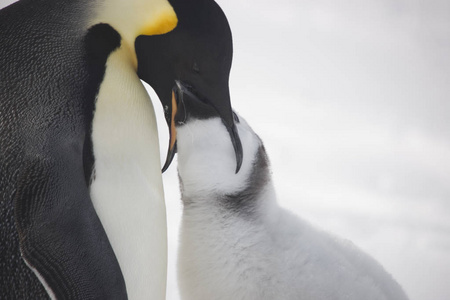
(172, 132)
(185, 105)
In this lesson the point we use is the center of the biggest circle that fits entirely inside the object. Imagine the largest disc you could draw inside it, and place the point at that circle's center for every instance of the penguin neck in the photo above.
(251, 200)
(127, 188)
(132, 18)
(245, 201)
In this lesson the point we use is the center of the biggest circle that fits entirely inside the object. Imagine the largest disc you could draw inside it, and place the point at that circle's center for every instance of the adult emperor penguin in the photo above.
(74, 112)
(235, 241)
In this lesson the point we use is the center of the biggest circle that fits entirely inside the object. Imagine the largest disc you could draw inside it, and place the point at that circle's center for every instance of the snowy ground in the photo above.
(352, 99)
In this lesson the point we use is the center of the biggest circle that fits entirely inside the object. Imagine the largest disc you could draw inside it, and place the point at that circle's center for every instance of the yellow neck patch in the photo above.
(165, 22)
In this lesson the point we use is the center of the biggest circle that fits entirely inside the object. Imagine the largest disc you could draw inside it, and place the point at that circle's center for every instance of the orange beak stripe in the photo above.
(173, 130)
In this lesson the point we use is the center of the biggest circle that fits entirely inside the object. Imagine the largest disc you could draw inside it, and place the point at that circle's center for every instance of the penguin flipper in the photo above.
(61, 236)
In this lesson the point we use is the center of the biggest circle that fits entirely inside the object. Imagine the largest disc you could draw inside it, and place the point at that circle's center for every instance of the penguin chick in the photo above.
(237, 243)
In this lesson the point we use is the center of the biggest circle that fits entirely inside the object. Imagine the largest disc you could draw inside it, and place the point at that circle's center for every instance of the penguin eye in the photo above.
(196, 68)
(235, 117)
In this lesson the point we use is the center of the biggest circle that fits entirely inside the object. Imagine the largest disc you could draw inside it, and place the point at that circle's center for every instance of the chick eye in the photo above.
(235, 117)
(196, 68)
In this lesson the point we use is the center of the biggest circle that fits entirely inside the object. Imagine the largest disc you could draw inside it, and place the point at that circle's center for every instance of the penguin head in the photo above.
(206, 158)
(197, 54)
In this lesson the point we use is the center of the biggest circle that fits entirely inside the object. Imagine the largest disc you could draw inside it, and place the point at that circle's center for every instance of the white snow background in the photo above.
(352, 100)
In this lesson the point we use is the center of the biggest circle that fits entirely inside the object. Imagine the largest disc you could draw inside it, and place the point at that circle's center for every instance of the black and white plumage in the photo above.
(236, 242)
(71, 102)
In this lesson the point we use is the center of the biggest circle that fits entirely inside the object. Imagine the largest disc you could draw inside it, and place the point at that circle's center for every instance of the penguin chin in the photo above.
(206, 158)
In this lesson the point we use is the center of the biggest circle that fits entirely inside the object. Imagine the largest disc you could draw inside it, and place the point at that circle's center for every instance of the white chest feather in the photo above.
(127, 191)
